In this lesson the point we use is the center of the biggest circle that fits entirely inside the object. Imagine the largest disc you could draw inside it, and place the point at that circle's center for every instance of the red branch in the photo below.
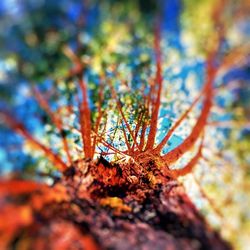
(85, 120)
(55, 119)
(191, 164)
(160, 146)
(158, 84)
(99, 118)
(201, 122)
(137, 128)
(19, 128)
(123, 115)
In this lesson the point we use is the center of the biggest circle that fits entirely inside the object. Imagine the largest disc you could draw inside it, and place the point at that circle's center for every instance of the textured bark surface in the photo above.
(103, 211)
(165, 219)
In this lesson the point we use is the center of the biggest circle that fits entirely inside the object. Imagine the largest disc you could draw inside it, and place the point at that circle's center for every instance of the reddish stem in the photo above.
(201, 122)
(137, 128)
(158, 84)
(19, 128)
(85, 120)
(98, 121)
(123, 116)
(55, 119)
(191, 164)
(126, 140)
(160, 146)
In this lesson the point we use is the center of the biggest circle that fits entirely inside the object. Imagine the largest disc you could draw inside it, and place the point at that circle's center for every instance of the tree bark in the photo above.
(115, 209)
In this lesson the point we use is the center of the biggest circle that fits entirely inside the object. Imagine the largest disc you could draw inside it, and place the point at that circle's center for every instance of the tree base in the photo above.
(95, 210)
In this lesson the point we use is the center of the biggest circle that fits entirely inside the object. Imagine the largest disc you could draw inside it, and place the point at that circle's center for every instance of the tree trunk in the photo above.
(163, 218)
(107, 207)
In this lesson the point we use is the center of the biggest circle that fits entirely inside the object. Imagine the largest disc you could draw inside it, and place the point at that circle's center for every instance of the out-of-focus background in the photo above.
(34, 39)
